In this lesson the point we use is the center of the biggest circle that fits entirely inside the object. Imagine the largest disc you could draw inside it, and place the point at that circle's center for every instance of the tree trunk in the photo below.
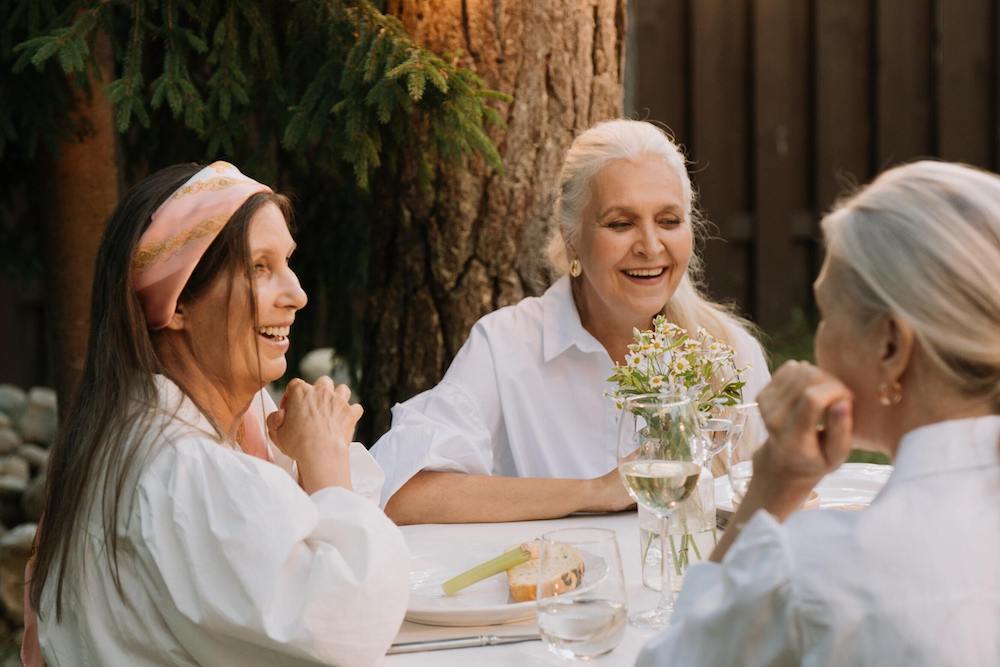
(81, 190)
(442, 260)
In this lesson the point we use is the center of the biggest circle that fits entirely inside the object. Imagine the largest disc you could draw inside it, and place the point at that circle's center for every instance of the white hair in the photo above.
(624, 139)
(923, 242)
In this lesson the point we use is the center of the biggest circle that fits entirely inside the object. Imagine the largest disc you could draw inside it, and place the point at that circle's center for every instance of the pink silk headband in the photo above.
(181, 230)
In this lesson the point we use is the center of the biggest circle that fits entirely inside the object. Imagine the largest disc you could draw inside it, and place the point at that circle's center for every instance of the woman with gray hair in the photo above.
(909, 364)
(519, 428)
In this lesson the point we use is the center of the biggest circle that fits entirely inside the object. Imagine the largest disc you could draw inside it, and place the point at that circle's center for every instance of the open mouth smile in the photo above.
(645, 275)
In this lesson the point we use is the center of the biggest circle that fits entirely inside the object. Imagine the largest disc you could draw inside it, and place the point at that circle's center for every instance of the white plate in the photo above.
(485, 603)
(850, 484)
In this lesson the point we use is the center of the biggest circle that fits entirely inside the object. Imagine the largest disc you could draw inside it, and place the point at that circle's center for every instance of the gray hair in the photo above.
(622, 139)
(923, 242)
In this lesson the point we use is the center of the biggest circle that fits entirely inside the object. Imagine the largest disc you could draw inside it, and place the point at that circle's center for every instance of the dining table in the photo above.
(430, 537)
(851, 487)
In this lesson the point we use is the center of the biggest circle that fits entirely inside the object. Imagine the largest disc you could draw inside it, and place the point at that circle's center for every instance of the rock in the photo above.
(15, 466)
(9, 440)
(33, 500)
(15, 547)
(37, 457)
(40, 419)
(12, 400)
(324, 361)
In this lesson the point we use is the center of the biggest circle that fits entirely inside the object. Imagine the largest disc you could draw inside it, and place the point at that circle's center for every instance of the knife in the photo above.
(459, 642)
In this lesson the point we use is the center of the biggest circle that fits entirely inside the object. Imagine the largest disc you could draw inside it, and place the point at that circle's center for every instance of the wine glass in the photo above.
(660, 455)
(748, 434)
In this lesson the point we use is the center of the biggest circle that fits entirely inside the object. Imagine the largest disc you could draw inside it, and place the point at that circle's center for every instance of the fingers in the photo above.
(274, 422)
(814, 401)
(837, 436)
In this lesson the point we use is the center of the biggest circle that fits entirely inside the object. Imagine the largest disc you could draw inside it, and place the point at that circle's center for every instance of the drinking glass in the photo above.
(587, 620)
(748, 435)
(660, 455)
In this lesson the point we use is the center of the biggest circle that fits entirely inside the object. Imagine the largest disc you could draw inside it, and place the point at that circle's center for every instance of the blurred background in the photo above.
(781, 105)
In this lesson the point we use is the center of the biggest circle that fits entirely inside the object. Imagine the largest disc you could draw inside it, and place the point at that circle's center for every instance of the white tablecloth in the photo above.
(420, 538)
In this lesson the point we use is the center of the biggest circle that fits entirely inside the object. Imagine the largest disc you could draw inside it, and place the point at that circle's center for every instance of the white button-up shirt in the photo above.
(912, 580)
(225, 560)
(523, 397)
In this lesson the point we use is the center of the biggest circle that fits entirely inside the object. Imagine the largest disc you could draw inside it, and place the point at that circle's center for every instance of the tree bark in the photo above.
(442, 260)
(81, 189)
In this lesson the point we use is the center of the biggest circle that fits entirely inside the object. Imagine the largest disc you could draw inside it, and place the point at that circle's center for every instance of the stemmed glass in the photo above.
(660, 454)
(748, 434)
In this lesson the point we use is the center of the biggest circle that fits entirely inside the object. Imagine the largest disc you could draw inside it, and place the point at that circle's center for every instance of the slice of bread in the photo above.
(563, 572)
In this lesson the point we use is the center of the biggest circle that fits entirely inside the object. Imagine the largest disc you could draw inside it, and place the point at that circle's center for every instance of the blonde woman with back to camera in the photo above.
(908, 352)
(519, 428)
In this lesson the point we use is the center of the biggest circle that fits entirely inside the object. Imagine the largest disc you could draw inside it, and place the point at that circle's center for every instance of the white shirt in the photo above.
(225, 560)
(523, 397)
(912, 580)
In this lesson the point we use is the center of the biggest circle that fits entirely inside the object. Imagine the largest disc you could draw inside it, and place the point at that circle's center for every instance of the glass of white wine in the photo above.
(660, 456)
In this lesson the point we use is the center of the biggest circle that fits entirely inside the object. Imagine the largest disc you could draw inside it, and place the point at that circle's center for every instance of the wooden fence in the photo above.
(782, 103)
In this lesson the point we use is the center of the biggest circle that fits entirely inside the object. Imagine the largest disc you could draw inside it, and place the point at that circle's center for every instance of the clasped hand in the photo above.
(808, 415)
(314, 426)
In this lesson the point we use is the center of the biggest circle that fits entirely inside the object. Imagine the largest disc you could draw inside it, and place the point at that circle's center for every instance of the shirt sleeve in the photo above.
(247, 565)
(453, 427)
(739, 612)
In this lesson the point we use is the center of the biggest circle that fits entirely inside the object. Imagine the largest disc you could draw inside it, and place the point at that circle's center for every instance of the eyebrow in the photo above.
(616, 208)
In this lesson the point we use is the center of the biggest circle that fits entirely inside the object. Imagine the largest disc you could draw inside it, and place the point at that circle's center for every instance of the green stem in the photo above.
(697, 551)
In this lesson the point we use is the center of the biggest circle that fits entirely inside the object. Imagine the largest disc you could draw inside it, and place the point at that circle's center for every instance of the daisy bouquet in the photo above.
(669, 361)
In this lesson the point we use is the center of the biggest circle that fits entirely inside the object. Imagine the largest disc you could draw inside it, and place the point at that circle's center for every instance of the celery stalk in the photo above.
(501, 563)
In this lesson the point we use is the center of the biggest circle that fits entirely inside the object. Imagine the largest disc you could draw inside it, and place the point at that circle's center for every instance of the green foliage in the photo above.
(316, 97)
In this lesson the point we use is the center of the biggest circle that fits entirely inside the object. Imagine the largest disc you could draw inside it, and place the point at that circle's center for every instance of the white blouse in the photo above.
(912, 580)
(523, 397)
(225, 560)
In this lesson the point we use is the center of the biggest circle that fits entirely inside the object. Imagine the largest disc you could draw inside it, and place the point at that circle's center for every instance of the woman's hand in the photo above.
(314, 426)
(608, 494)
(808, 417)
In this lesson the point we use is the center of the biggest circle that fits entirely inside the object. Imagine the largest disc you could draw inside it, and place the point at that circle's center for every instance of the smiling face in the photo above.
(634, 242)
(278, 296)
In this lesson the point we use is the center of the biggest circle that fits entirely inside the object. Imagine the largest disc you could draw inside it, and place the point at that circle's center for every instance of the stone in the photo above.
(40, 419)
(12, 400)
(325, 361)
(15, 466)
(33, 500)
(37, 457)
(9, 440)
(15, 548)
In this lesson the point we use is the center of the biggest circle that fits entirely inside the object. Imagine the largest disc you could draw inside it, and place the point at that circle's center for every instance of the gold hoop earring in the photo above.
(890, 395)
(575, 268)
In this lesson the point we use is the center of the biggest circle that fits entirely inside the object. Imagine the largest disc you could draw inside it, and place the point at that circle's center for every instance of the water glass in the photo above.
(581, 592)
(748, 435)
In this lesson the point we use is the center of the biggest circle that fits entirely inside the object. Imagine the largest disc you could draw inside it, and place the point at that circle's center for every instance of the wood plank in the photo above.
(903, 97)
(720, 146)
(966, 81)
(781, 119)
(843, 100)
(661, 63)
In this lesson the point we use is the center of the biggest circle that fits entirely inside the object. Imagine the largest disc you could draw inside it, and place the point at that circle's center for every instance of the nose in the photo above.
(292, 295)
(648, 244)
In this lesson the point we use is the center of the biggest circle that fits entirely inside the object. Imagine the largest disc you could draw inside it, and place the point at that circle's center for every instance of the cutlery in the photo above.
(459, 642)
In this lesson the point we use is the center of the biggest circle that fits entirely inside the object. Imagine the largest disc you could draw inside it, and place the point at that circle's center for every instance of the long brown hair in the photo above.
(96, 452)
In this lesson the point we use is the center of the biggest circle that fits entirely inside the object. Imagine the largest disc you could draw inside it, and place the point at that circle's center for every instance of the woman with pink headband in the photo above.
(176, 531)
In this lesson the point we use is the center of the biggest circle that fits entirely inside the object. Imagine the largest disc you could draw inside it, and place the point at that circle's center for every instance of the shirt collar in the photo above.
(563, 329)
(948, 446)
